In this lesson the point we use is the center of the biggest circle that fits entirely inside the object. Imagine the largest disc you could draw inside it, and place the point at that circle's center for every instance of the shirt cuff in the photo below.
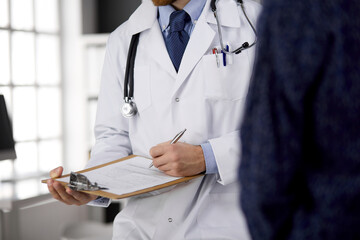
(100, 202)
(210, 162)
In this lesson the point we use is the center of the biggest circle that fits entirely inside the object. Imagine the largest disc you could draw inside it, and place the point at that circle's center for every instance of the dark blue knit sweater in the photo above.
(300, 169)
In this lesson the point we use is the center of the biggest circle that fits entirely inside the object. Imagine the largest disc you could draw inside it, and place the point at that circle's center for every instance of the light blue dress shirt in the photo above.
(194, 8)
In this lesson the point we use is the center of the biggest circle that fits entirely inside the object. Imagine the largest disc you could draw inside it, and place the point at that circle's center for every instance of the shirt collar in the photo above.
(193, 8)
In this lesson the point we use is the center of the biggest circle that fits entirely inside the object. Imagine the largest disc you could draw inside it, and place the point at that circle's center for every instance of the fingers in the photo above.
(163, 167)
(57, 172)
(67, 195)
(170, 157)
(63, 195)
(52, 190)
(173, 173)
(159, 149)
(81, 197)
(160, 161)
(174, 168)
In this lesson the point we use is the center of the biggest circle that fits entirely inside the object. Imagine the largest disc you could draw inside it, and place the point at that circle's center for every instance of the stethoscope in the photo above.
(129, 108)
(243, 46)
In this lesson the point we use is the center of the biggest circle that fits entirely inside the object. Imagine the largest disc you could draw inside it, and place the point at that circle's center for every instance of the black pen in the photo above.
(175, 139)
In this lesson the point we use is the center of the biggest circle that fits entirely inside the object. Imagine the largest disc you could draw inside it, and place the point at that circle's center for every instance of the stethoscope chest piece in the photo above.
(129, 109)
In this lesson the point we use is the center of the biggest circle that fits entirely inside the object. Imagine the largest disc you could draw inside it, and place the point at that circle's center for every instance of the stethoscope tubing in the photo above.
(250, 23)
(129, 72)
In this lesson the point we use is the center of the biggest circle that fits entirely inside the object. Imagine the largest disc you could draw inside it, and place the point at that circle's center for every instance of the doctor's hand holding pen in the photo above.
(65, 194)
(178, 159)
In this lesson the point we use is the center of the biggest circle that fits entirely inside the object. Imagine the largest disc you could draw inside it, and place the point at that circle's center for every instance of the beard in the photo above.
(162, 2)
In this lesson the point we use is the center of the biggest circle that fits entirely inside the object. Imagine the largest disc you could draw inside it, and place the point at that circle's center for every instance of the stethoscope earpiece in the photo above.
(245, 45)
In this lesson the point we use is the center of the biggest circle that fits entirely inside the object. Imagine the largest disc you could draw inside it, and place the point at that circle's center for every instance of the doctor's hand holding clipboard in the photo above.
(65, 194)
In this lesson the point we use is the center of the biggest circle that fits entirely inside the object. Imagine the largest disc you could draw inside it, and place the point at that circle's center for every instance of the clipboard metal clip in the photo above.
(81, 182)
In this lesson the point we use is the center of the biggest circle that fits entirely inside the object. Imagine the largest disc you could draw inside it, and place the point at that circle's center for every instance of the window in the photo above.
(30, 80)
(94, 54)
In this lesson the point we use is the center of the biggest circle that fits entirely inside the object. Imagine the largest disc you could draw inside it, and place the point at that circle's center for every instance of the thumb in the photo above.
(56, 172)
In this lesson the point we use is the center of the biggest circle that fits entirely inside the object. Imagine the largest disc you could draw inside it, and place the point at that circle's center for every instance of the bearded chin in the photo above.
(162, 2)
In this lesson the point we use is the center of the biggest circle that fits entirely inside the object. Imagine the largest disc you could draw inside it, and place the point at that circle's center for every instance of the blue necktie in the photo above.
(178, 38)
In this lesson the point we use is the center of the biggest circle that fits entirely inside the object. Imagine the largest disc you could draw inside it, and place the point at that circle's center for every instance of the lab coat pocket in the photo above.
(222, 206)
(142, 93)
(222, 218)
(228, 82)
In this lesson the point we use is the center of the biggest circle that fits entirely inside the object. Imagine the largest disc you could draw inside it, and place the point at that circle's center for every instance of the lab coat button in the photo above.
(177, 99)
(170, 220)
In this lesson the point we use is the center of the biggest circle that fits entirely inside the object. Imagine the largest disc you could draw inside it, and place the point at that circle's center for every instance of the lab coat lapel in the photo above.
(155, 47)
(144, 20)
(200, 40)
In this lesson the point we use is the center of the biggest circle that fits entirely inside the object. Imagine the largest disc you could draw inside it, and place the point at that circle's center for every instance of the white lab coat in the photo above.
(206, 100)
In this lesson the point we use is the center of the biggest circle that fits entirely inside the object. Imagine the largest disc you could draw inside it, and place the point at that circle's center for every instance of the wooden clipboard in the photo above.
(115, 196)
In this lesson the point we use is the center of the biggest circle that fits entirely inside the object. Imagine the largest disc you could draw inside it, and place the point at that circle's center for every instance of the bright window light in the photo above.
(4, 57)
(46, 15)
(24, 113)
(49, 110)
(4, 14)
(23, 58)
(48, 59)
(22, 14)
(30, 80)
(50, 155)
(6, 169)
(26, 161)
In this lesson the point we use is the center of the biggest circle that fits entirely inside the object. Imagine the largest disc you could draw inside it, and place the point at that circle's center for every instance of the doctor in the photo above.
(200, 91)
